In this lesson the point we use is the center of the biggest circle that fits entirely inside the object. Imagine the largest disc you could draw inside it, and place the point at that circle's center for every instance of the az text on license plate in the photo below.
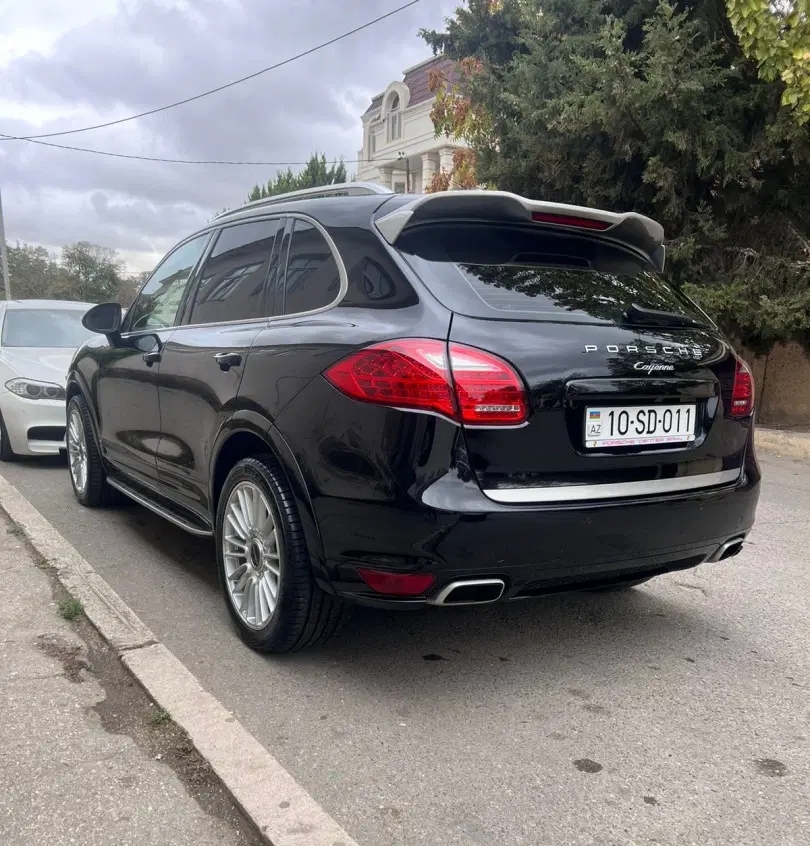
(639, 425)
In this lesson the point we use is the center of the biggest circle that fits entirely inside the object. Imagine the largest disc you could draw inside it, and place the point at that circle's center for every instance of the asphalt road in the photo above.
(674, 714)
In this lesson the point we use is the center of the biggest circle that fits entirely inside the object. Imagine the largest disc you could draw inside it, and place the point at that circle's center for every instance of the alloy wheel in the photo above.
(77, 450)
(252, 552)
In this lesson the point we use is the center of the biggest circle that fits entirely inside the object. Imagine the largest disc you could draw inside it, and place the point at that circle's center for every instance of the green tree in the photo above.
(653, 107)
(94, 273)
(313, 175)
(85, 272)
(33, 272)
(777, 36)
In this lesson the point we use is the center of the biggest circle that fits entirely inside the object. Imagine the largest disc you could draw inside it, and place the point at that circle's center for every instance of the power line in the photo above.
(109, 153)
(219, 88)
(133, 156)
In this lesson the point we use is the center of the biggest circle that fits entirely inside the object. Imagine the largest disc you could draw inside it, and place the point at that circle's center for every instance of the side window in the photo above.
(312, 278)
(159, 300)
(232, 281)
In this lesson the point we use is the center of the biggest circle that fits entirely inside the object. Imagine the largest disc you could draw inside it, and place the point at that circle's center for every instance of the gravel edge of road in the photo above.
(267, 794)
(783, 443)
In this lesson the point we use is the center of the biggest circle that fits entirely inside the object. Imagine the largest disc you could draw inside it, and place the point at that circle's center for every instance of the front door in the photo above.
(128, 402)
(203, 361)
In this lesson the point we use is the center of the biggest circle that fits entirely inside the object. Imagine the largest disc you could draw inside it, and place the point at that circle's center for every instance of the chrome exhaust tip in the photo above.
(729, 549)
(470, 592)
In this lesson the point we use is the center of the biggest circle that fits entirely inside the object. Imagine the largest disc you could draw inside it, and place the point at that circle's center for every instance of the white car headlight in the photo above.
(34, 390)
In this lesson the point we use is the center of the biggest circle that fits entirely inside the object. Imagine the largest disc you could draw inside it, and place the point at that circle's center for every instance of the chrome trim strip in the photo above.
(267, 321)
(616, 490)
(161, 512)
(441, 597)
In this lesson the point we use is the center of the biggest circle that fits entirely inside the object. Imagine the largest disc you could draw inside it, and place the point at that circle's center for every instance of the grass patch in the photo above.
(70, 608)
(159, 718)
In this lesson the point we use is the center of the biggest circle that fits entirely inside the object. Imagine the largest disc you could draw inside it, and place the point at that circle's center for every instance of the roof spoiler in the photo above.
(631, 230)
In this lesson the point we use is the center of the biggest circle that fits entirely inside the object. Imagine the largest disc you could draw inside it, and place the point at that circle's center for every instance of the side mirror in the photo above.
(105, 319)
(147, 343)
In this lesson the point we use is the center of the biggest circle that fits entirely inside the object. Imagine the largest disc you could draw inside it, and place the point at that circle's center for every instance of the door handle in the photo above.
(227, 360)
(151, 357)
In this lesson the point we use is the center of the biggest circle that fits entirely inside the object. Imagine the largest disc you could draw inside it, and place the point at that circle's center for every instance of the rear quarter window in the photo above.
(375, 280)
(526, 273)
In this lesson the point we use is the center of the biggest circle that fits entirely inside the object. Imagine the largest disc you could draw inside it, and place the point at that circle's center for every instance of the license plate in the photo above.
(639, 425)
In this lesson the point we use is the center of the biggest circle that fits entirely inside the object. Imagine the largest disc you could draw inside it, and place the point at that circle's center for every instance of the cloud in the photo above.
(119, 57)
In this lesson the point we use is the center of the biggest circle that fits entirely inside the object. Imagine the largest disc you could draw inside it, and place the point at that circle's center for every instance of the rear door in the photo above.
(203, 361)
(629, 383)
(295, 346)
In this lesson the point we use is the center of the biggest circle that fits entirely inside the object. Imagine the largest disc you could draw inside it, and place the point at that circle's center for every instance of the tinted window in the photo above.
(375, 280)
(312, 274)
(57, 329)
(232, 281)
(159, 300)
(513, 272)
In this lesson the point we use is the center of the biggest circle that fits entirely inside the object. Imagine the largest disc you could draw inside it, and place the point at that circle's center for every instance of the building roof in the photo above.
(417, 78)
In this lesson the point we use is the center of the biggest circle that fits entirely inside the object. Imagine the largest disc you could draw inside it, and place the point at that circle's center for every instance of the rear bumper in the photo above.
(35, 427)
(457, 533)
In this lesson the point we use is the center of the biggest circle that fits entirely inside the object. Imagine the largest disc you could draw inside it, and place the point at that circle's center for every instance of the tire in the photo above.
(303, 614)
(94, 492)
(6, 452)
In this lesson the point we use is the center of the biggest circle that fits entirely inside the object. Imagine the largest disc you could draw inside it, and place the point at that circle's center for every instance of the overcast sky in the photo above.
(64, 65)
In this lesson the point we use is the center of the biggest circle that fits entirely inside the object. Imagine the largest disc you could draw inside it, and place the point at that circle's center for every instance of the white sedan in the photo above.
(37, 341)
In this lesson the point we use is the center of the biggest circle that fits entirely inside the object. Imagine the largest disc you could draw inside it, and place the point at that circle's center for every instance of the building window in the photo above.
(372, 143)
(394, 119)
(399, 187)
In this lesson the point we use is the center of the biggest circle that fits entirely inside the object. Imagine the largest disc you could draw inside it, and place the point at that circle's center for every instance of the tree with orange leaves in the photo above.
(454, 116)
(461, 108)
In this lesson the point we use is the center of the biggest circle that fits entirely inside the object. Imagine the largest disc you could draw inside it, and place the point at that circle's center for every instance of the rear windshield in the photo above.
(39, 327)
(523, 273)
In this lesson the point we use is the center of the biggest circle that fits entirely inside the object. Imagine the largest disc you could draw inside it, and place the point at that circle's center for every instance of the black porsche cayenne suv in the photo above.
(456, 398)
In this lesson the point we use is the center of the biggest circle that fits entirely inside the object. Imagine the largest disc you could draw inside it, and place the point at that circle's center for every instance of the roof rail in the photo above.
(339, 189)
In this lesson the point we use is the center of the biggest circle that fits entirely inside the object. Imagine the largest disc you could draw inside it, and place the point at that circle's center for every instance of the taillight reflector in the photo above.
(742, 394)
(570, 220)
(397, 584)
(474, 387)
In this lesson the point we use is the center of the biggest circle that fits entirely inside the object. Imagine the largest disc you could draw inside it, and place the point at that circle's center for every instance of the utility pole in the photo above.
(3, 251)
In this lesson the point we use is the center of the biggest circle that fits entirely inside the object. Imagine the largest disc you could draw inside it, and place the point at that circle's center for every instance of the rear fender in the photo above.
(255, 424)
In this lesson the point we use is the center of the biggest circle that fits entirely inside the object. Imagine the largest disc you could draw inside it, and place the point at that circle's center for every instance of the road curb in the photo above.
(782, 443)
(270, 797)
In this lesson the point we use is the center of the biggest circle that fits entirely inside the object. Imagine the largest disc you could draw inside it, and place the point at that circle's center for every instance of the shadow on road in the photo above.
(546, 638)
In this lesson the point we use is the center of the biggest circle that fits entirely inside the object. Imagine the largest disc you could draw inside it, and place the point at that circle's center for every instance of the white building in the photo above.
(400, 147)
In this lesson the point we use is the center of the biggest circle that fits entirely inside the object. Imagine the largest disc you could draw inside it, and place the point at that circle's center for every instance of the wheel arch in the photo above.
(246, 435)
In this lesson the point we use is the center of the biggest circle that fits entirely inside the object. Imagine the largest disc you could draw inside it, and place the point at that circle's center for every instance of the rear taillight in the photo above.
(742, 394)
(489, 392)
(475, 387)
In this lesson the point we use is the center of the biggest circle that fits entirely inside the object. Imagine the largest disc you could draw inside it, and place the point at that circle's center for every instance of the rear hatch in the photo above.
(629, 384)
